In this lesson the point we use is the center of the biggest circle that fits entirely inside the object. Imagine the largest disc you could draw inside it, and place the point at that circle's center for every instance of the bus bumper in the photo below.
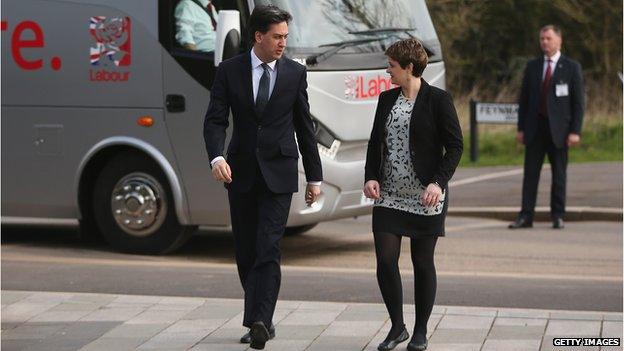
(341, 194)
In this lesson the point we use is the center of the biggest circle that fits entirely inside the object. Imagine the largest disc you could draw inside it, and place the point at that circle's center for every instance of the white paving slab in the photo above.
(511, 345)
(94, 322)
(465, 322)
(576, 328)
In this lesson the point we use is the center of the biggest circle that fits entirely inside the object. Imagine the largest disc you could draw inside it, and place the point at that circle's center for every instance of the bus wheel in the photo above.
(292, 231)
(133, 207)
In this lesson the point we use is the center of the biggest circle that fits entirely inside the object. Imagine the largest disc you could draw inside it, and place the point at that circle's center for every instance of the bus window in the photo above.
(199, 61)
(197, 57)
(195, 25)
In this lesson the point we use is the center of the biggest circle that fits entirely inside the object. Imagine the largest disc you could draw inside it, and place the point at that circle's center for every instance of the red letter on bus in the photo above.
(17, 44)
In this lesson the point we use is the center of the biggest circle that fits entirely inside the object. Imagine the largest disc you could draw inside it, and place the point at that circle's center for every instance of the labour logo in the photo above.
(350, 87)
(111, 41)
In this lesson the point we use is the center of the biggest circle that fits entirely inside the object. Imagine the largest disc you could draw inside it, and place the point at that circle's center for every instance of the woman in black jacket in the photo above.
(414, 149)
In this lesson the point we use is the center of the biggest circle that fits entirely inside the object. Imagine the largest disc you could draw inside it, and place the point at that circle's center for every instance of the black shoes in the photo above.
(388, 345)
(246, 339)
(521, 222)
(259, 336)
(418, 343)
(558, 223)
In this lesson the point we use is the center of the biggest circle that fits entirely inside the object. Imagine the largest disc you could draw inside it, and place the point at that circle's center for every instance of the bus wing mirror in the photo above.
(228, 38)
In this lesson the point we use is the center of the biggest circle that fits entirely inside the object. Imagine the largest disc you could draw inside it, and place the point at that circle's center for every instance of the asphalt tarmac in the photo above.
(479, 263)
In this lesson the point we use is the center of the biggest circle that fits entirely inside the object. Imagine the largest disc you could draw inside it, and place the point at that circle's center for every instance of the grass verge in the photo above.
(600, 142)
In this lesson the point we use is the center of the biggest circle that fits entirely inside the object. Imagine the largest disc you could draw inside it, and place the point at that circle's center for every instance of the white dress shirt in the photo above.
(256, 73)
(193, 25)
(553, 64)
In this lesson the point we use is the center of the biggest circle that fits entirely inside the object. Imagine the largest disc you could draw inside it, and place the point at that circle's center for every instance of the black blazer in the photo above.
(565, 113)
(268, 139)
(435, 137)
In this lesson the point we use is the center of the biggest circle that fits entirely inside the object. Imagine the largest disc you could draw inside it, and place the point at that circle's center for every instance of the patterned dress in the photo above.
(401, 189)
(399, 209)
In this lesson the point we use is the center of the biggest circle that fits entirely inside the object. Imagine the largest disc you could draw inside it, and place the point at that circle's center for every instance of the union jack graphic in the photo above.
(112, 40)
(350, 87)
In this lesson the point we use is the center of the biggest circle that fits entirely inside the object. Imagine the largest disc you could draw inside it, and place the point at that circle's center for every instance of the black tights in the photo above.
(388, 249)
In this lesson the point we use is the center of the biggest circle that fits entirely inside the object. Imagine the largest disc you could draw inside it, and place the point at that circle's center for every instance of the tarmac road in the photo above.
(479, 263)
(596, 184)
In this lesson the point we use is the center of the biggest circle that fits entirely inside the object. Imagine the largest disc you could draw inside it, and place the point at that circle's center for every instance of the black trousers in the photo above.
(533, 159)
(258, 222)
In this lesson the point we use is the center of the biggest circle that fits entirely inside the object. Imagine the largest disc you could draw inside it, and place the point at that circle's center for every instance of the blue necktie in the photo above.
(263, 90)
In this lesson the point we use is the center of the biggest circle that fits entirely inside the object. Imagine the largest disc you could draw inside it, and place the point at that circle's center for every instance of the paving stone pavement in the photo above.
(53, 321)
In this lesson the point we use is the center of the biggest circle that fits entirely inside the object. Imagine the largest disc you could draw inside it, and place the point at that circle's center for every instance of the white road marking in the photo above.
(483, 177)
(481, 225)
(174, 263)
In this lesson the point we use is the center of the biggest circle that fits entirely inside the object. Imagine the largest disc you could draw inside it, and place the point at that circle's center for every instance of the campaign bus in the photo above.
(103, 110)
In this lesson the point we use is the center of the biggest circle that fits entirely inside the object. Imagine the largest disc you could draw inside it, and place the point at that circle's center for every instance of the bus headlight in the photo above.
(327, 144)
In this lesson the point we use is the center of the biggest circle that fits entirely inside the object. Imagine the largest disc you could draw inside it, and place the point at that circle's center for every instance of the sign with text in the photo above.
(496, 113)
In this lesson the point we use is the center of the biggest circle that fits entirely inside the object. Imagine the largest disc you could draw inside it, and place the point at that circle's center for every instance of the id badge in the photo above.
(561, 90)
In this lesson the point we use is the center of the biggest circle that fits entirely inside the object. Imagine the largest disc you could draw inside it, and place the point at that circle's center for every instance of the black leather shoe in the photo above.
(521, 222)
(259, 336)
(558, 223)
(418, 343)
(391, 344)
(246, 339)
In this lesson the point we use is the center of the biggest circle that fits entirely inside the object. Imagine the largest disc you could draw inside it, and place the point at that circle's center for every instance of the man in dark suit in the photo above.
(267, 96)
(550, 116)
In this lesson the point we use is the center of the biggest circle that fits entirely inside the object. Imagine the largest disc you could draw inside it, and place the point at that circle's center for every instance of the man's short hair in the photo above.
(263, 17)
(555, 28)
(409, 51)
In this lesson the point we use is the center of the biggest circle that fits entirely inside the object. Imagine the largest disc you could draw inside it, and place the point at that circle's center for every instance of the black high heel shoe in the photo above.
(418, 342)
(388, 345)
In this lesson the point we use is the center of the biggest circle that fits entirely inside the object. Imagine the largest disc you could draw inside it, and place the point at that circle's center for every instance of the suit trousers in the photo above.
(258, 221)
(534, 154)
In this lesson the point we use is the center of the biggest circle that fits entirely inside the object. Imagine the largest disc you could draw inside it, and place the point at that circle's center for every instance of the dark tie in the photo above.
(543, 106)
(212, 19)
(263, 90)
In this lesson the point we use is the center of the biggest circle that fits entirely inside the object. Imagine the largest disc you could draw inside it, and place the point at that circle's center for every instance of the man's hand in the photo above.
(520, 137)
(312, 194)
(190, 46)
(221, 171)
(573, 139)
(371, 189)
(432, 194)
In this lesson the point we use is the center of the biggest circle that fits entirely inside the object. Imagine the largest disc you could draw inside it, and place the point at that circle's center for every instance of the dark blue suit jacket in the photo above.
(268, 139)
(565, 113)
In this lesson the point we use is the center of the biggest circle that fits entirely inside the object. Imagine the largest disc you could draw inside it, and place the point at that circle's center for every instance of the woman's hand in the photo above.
(371, 189)
(432, 194)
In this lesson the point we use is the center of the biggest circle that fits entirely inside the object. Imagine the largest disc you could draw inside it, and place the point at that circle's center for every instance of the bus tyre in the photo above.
(300, 229)
(89, 231)
(133, 207)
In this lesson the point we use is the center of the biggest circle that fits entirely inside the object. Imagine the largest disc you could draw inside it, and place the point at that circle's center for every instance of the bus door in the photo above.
(187, 77)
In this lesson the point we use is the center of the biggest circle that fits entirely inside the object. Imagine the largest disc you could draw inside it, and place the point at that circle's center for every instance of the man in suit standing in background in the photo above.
(267, 95)
(550, 116)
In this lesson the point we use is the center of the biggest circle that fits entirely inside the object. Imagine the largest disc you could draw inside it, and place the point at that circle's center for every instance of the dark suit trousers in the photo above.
(533, 159)
(258, 221)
